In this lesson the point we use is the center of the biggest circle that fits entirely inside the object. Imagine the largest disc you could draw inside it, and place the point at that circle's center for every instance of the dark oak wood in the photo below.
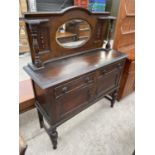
(67, 85)
(124, 41)
(68, 68)
(42, 28)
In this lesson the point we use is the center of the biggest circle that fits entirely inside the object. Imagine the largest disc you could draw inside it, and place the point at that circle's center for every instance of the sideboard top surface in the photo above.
(61, 70)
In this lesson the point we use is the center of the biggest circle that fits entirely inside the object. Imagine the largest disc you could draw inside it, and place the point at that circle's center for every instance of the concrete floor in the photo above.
(23, 61)
(98, 130)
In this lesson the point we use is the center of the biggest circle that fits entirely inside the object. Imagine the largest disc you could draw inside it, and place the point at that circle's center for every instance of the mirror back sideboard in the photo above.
(68, 79)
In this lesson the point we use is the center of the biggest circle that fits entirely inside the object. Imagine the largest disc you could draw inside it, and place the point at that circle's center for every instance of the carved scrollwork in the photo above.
(128, 25)
(98, 29)
(43, 39)
(35, 46)
(130, 7)
(38, 62)
(38, 45)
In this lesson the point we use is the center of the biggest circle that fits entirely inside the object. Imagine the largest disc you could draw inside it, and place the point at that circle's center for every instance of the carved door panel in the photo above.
(107, 81)
(125, 27)
(72, 101)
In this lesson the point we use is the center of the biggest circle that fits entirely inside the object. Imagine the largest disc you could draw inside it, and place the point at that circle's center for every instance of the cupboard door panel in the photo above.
(70, 102)
(107, 81)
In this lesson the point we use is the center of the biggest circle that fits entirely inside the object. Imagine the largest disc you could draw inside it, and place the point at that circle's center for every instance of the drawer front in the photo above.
(109, 68)
(108, 78)
(74, 84)
(71, 102)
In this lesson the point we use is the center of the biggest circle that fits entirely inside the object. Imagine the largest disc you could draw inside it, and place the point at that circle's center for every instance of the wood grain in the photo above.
(124, 41)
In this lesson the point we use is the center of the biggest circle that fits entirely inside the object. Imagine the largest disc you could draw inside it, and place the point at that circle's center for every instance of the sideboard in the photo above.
(69, 75)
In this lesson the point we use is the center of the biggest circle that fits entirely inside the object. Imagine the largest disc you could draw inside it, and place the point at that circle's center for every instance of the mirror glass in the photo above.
(73, 33)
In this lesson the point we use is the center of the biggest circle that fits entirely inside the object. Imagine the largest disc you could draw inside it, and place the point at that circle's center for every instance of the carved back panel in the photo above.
(42, 28)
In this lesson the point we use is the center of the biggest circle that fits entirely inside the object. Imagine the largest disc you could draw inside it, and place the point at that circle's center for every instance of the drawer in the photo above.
(109, 68)
(73, 84)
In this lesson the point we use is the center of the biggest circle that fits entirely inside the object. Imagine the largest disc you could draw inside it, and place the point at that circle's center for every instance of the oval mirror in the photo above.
(73, 33)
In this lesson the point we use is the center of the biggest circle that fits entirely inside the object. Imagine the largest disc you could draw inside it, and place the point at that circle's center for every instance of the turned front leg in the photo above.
(53, 136)
(114, 96)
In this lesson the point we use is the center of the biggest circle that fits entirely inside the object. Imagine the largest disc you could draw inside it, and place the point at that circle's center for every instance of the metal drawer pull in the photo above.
(64, 89)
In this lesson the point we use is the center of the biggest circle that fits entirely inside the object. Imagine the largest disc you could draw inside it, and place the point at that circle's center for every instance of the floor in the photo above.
(24, 59)
(98, 130)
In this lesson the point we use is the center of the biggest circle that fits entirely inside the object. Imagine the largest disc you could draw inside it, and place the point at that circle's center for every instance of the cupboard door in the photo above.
(71, 102)
(107, 81)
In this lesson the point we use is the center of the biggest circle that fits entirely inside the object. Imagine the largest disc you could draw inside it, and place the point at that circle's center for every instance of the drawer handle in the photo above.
(64, 89)
(87, 79)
